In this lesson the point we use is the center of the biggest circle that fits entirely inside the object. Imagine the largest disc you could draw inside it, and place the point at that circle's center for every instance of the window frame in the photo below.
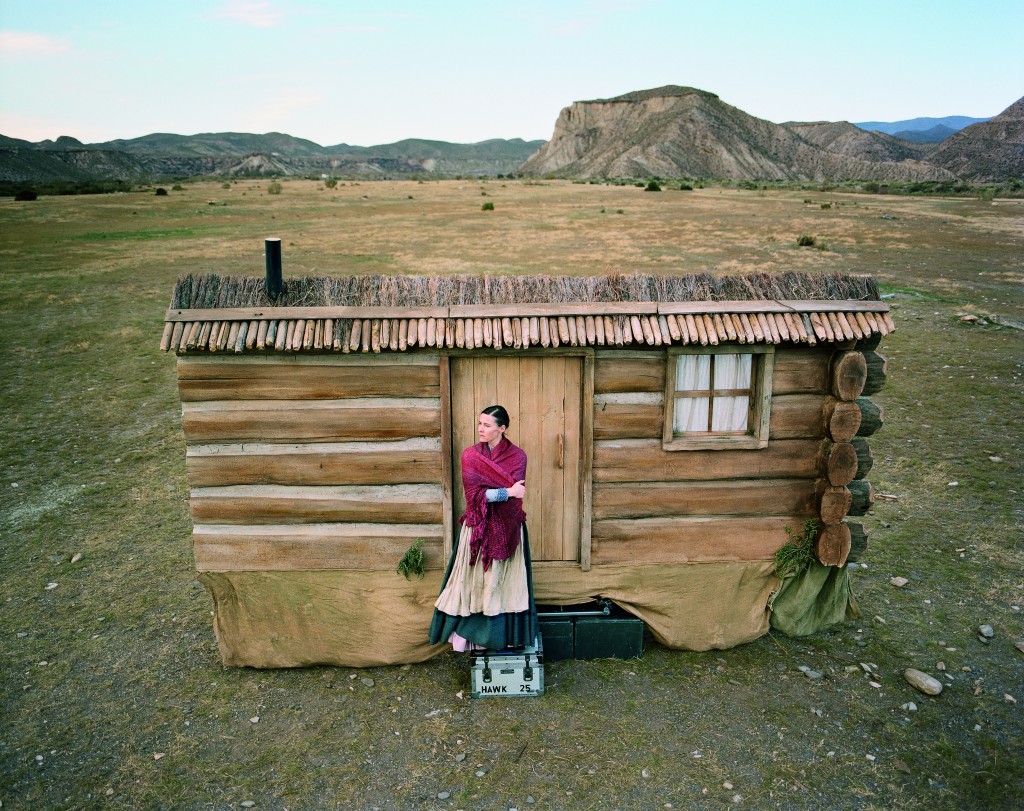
(762, 366)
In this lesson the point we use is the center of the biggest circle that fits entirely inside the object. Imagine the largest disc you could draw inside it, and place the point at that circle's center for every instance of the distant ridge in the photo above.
(677, 131)
(989, 151)
(234, 154)
(954, 123)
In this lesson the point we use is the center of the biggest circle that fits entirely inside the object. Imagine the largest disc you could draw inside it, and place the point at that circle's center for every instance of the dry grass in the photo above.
(93, 442)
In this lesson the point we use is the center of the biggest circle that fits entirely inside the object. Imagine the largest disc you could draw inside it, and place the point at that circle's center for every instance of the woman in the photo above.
(486, 601)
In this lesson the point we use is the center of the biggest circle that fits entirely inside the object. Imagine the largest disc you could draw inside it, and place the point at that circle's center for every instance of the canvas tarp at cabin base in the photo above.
(367, 618)
(817, 598)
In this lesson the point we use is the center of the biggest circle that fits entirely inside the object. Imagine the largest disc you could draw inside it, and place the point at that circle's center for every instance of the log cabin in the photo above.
(675, 426)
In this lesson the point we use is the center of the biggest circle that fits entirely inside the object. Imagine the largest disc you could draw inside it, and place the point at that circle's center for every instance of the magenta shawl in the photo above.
(496, 525)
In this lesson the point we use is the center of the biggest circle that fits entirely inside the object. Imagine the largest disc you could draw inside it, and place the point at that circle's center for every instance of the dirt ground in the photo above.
(112, 694)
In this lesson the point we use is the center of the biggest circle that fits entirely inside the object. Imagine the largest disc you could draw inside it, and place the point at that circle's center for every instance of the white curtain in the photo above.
(730, 413)
(693, 373)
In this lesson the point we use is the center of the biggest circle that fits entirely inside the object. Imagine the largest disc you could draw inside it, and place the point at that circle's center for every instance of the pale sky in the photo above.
(372, 72)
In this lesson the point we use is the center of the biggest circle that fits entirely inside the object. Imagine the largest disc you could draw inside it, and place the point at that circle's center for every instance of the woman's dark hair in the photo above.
(499, 413)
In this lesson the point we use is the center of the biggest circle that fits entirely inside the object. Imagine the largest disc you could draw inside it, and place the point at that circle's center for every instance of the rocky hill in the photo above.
(231, 154)
(684, 132)
(990, 151)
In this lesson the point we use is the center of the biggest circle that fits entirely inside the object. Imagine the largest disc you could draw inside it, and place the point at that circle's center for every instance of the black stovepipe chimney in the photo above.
(275, 279)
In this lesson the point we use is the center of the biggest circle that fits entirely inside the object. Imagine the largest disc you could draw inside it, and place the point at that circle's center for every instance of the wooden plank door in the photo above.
(542, 396)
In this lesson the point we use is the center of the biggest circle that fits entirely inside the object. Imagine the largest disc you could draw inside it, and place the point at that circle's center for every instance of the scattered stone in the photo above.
(865, 667)
(247, 804)
(460, 757)
(879, 619)
(368, 682)
(901, 766)
(1007, 697)
(76, 557)
(813, 675)
(405, 667)
(530, 799)
(922, 681)
(109, 792)
(645, 774)
(803, 668)
(910, 706)
(51, 586)
(899, 582)
(870, 757)
(977, 727)
(984, 639)
(459, 695)
(158, 755)
(736, 798)
(986, 631)
(1018, 645)
(443, 795)
(480, 772)
(875, 684)
(23, 634)
(727, 786)
(780, 666)
(953, 484)
(940, 665)
(254, 720)
(995, 458)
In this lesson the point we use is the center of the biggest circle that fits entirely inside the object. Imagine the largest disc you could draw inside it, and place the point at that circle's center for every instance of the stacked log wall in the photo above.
(320, 462)
(855, 373)
(658, 506)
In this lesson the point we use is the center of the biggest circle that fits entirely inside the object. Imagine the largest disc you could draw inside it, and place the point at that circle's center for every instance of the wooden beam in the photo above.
(265, 380)
(413, 461)
(625, 371)
(310, 420)
(276, 504)
(688, 540)
(303, 313)
(738, 497)
(644, 460)
(311, 547)
(773, 306)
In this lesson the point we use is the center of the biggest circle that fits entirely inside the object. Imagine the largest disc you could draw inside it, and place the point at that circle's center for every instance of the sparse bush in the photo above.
(177, 187)
(26, 196)
(487, 207)
(161, 192)
(331, 182)
(826, 206)
(806, 241)
(225, 185)
(653, 186)
(685, 187)
(273, 187)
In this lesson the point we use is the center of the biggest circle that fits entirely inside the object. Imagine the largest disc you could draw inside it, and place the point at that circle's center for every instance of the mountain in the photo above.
(217, 143)
(685, 132)
(235, 154)
(934, 135)
(952, 122)
(989, 151)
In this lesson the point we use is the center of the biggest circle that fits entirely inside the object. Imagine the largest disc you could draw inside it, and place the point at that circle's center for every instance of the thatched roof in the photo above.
(202, 291)
(397, 313)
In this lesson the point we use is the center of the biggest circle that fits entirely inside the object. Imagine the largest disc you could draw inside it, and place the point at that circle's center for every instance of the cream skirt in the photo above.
(502, 589)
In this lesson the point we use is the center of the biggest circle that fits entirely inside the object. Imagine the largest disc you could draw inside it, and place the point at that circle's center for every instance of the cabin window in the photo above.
(718, 397)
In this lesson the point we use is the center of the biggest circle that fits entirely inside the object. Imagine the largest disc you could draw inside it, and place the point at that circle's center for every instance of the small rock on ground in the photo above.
(922, 681)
